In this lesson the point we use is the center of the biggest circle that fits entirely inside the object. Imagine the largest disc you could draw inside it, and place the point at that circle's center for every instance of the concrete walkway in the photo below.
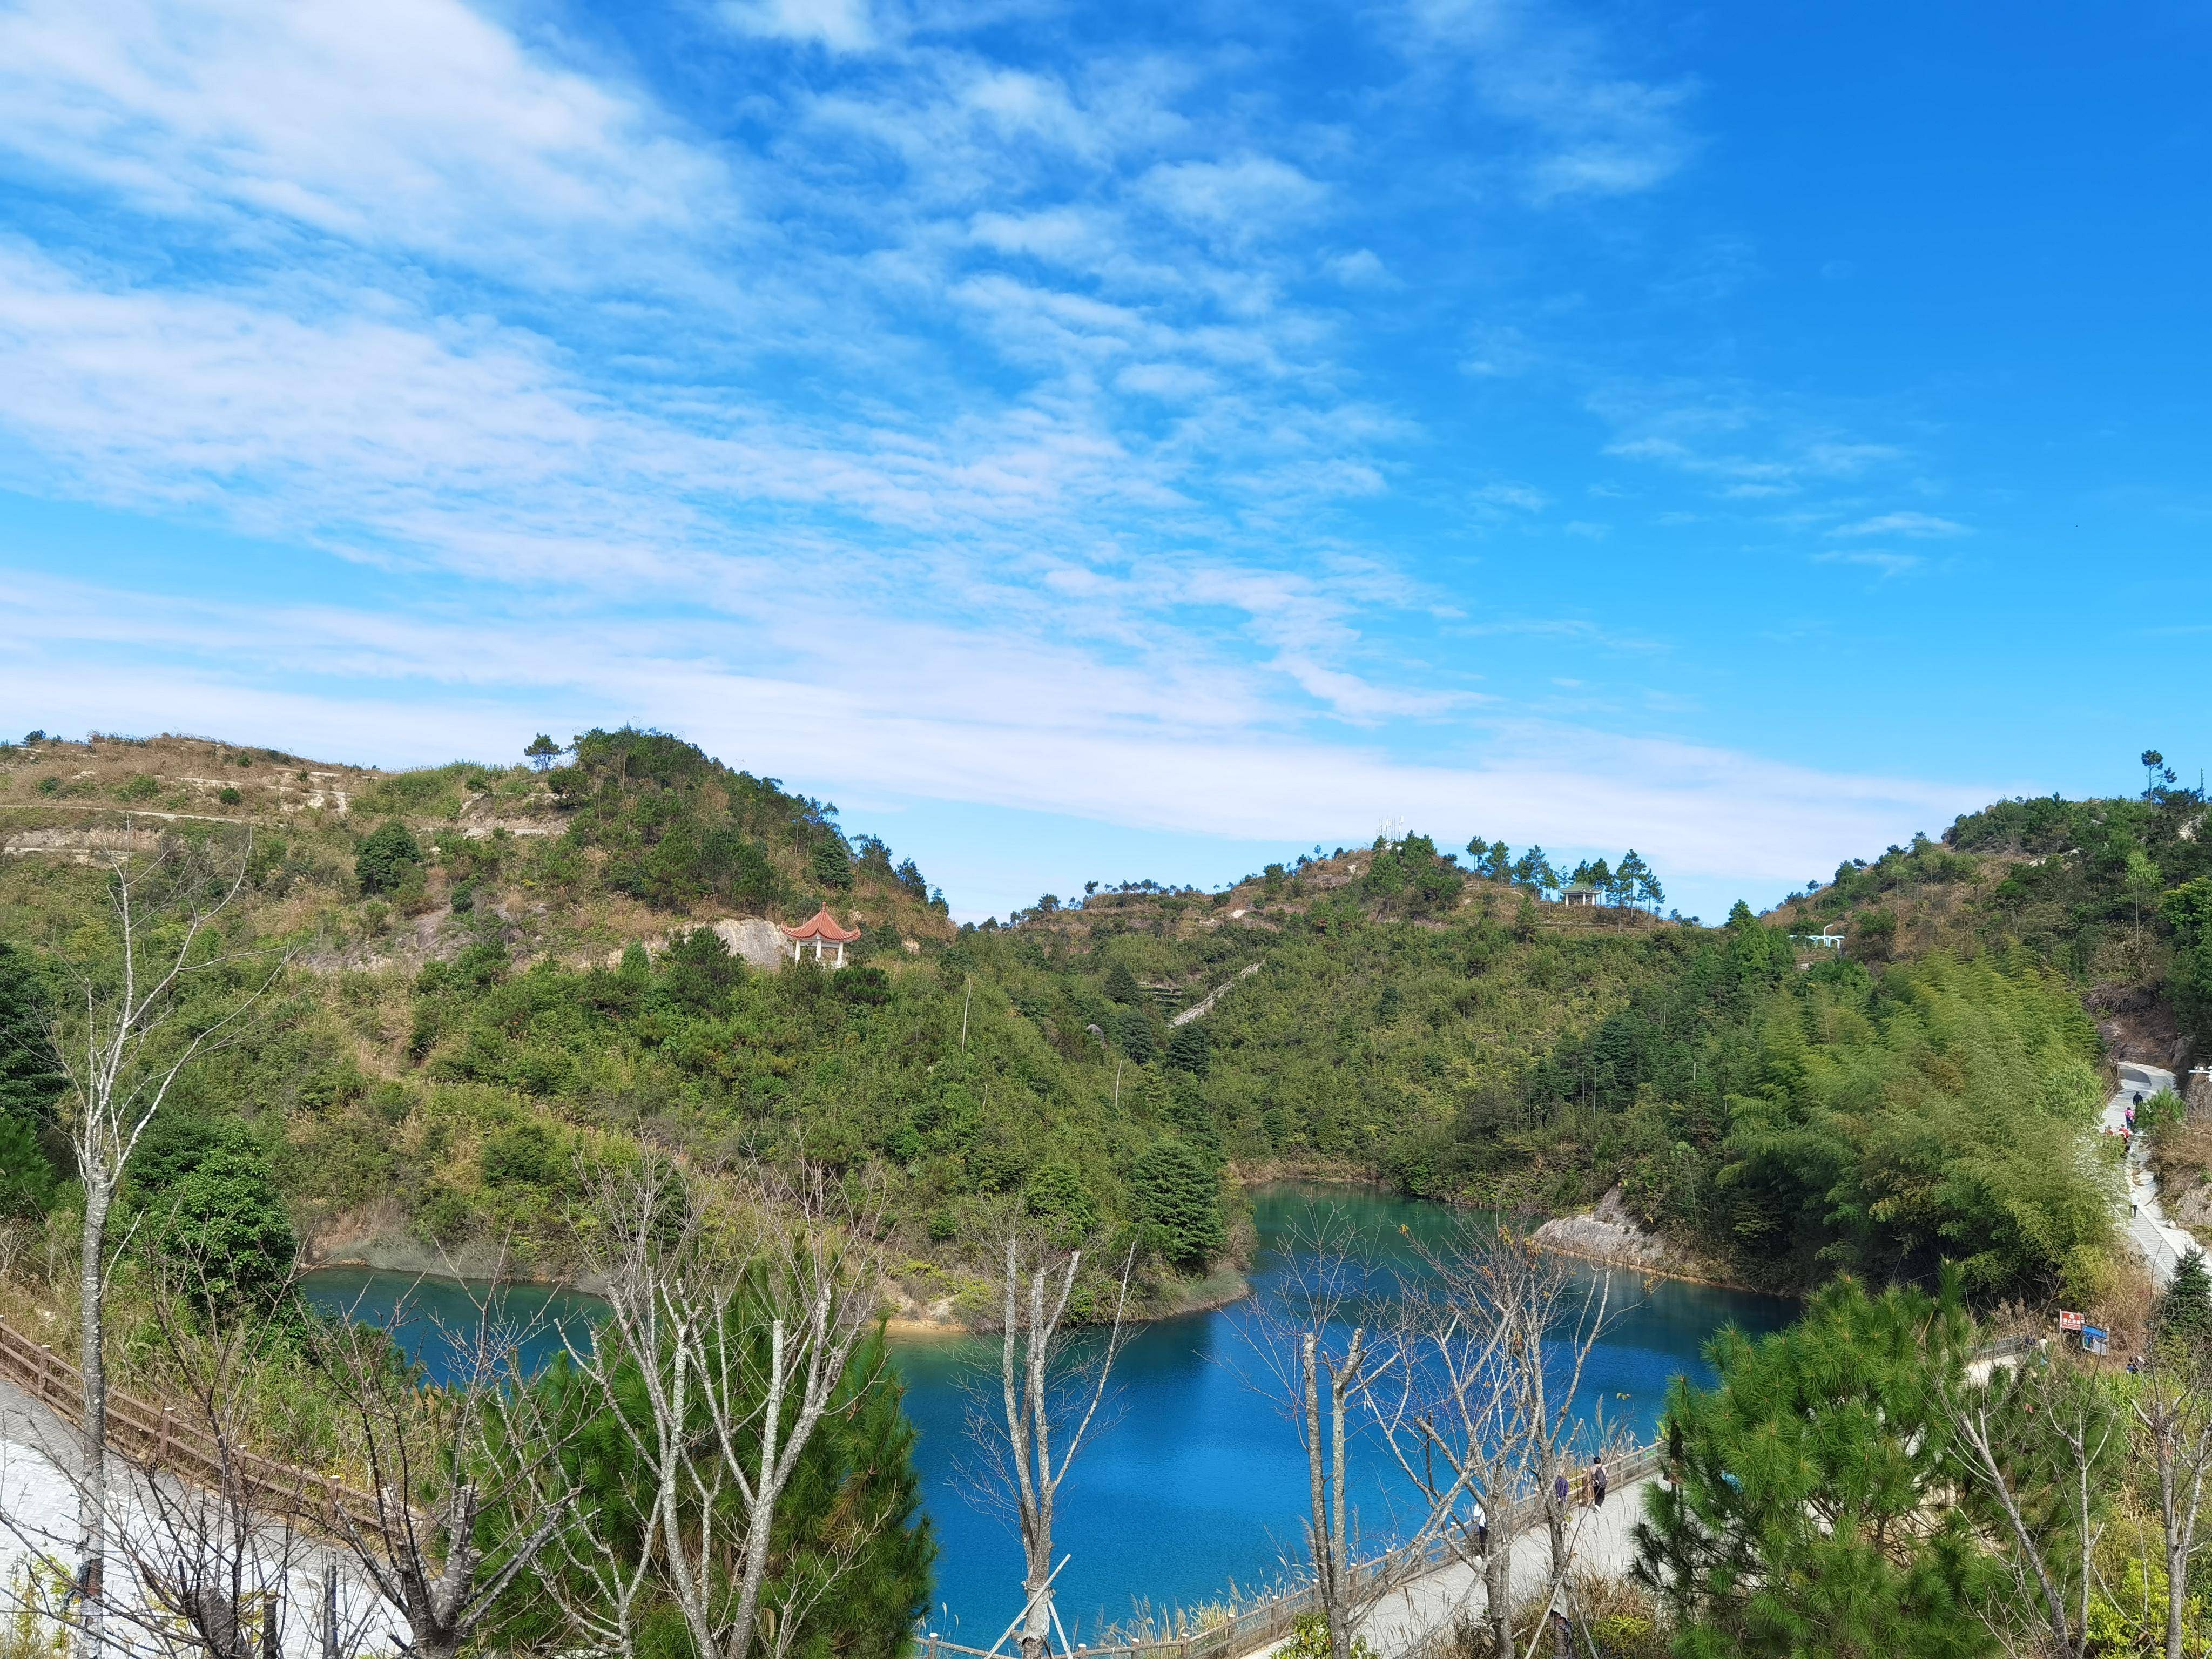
(1603, 1542)
(39, 1458)
(2160, 1242)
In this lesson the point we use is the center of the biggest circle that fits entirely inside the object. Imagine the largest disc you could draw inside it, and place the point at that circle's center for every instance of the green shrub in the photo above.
(387, 858)
(1308, 1639)
(529, 1154)
(1058, 1196)
(229, 795)
(225, 1223)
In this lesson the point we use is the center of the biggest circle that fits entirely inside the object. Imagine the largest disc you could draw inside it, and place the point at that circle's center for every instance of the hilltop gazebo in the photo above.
(820, 929)
(1581, 893)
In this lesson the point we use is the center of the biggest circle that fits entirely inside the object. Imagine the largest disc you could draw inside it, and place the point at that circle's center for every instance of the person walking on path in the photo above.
(1560, 1491)
(1481, 1519)
(1597, 1482)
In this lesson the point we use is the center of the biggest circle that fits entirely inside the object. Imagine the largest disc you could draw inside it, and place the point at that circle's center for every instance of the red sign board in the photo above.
(2069, 1321)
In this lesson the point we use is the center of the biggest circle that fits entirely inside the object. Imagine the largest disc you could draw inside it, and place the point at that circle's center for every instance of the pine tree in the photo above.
(1190, 1049)
(1820, 1470)
(1629, 878)
(1534, 871)
(1135, 1033)
(1178, 1201)
(831, 866)
(30, 1077)
(855, 1492)
(1121, 984)
(2184, 1309)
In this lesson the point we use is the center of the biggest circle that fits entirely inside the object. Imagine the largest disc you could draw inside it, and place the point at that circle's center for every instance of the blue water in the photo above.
(433, 1318)
(1197, 1482)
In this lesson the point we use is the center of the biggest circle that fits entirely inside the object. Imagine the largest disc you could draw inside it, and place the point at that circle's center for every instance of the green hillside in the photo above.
(502, 978)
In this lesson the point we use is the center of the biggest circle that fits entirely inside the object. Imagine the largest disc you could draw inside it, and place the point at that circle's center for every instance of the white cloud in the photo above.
(1591, 129)
(417, 124)
(1526, 497)
(1361, 268)
(930, 715)
(845, 25)
(1006, 376)
(1903, 524)
(1255, 196)
(1888, 564)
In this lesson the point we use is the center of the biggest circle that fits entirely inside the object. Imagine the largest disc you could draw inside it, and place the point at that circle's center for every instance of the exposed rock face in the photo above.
(754, 940)
(1608, 1233)
(2136, 1024)
(2196, 1091)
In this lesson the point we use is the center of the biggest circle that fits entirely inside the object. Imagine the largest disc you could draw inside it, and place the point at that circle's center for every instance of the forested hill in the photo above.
(504, 976)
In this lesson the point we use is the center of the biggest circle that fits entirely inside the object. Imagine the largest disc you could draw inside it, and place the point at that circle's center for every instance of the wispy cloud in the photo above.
(1888, 564)
(417, 124)
(1041, 384)
(1588, 128)
(922, 715)
(1903, 524)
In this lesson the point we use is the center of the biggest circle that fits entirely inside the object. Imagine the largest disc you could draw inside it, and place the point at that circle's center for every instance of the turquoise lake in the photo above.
(1197, 1483)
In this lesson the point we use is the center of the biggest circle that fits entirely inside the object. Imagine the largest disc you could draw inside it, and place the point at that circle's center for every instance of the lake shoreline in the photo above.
(1196, 1478)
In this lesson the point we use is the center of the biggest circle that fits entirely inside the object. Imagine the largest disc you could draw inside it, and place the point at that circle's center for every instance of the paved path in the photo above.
(39, 1458)
(1603, 1542)
(2160, 1242)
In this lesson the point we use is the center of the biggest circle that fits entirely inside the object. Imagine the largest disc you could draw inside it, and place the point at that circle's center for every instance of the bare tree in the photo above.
(1052, 1384)
(736, 1306)
(464, 1478)
(1480, 1408)
(218, 1545)
(2173, 1412)
(212, 1541)
(1319, 1366)
(2040, 1442)
(120, 1052)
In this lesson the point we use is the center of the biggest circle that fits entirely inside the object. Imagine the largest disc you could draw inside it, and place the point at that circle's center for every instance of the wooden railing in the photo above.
(157, 1437)
(1271, 1619)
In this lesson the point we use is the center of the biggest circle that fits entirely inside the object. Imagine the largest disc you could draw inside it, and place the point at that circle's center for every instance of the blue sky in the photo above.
(1133, 439)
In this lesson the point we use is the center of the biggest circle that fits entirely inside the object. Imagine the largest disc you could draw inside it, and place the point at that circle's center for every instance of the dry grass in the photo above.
(1610, 1618)
(2181, 1158)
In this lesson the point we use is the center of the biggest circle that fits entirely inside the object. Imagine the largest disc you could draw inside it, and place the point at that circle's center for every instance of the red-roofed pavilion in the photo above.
(820, 929)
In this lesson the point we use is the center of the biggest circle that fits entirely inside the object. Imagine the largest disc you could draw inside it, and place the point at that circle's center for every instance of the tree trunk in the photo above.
(1339, 1627)
(2177, 1548)
(1498, 1586)
(1555, 1519)
(91, 1494)
(761, 1515)
(1037, 1585)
